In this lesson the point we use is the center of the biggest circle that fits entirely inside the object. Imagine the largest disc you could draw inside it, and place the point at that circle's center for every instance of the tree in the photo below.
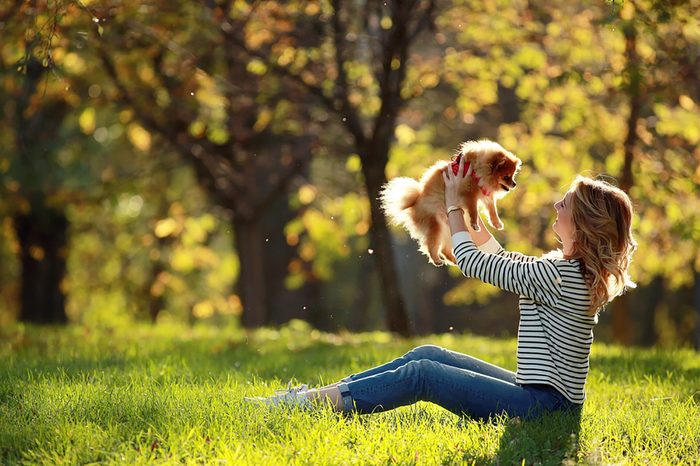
(631, 87)
(240, 130)
(358, 72)
(661, 80)
(600, 91)
(657, 72)
(32, 182)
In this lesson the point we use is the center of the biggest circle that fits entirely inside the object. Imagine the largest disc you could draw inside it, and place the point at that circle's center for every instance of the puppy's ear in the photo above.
(498, 159)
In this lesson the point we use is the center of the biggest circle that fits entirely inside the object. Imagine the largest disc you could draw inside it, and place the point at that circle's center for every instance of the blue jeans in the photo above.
(455, 381)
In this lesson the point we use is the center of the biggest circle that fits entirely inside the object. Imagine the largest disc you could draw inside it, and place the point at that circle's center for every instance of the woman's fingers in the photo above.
(445, 174)
(469, 170)
(461, 165)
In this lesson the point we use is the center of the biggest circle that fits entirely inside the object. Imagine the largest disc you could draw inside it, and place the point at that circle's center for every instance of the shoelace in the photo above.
(301, 388)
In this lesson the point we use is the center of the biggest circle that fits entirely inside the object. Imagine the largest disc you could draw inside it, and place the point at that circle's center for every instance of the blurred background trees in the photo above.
(217, 161)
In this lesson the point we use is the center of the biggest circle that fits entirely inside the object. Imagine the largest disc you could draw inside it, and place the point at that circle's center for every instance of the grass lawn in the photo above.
(172, 394)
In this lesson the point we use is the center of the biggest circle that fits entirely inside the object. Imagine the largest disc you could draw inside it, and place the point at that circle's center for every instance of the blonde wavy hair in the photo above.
(603, 241)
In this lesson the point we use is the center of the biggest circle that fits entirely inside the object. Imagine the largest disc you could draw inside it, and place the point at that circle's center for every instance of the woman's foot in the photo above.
(291, 397)
(301, 388)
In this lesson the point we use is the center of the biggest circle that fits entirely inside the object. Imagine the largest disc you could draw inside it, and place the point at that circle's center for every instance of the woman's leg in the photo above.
(461, 391)
(443, 356)
(339, 398)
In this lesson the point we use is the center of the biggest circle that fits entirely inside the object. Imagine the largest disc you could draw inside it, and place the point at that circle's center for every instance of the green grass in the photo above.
(170, 394)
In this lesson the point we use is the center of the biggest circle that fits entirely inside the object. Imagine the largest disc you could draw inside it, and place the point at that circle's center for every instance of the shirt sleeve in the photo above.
(492, 246)
(538, 279)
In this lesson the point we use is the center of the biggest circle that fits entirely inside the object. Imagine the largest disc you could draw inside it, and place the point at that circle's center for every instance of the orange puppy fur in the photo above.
(419, 206)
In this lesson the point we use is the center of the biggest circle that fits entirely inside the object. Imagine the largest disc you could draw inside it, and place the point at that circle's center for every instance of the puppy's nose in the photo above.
(515, 184)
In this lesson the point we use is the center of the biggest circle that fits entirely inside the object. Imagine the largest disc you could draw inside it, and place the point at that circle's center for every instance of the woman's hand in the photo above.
(453, 183)
(452, 198)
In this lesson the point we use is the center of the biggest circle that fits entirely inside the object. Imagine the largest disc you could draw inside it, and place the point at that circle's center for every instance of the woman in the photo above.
(561, 294)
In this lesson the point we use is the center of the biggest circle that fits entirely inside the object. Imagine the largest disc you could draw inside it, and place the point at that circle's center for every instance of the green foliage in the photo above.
(682, 121)
(155, 245)
(568, 67)
(165, 394)
(329, 227)
(552, 82)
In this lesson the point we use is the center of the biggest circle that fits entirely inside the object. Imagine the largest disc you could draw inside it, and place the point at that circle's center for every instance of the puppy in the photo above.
(419, 206)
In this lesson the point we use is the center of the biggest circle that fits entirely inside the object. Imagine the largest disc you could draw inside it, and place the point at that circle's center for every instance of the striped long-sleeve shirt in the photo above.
(555, 331)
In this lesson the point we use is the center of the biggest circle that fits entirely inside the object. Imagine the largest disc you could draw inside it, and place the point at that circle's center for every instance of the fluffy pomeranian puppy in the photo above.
(419, 206)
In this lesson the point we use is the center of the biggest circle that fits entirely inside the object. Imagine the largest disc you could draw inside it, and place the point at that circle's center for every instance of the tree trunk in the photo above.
(42, 234)
(652, 295)
(620, 320)
(284, 304)
(396, 316)
(437, 281)
(696, 303)
(156, 300)
(620, 306)
(359, 318)
(252, 284)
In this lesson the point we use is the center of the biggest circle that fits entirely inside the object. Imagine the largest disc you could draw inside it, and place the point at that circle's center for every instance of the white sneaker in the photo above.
(301, 388)
(291, 397)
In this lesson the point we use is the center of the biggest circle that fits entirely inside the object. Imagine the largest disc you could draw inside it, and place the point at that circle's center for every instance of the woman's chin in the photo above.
(556, 233)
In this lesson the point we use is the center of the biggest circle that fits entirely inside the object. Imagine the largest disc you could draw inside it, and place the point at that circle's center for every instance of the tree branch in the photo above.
(426, 21)
(334, 104)
(301, 157)
(391, 79)
(198, 151)
(283, 71)
(351, 118)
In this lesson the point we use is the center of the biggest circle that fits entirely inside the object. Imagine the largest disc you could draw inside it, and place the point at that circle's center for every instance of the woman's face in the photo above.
(564, 224)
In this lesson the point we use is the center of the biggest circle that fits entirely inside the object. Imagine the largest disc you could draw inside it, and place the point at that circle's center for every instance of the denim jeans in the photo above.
(455, 381)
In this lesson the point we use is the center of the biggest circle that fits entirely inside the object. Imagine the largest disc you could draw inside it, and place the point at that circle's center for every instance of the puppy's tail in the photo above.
(397, 196)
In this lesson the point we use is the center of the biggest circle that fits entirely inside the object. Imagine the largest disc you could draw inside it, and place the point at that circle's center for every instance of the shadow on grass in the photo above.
(551, 439)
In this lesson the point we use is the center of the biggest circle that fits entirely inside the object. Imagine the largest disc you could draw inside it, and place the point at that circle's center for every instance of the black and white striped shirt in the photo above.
(555, 331)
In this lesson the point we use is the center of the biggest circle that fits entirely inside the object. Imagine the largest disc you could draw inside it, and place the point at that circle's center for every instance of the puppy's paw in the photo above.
(498, 225)
(476, 227)
(436, 261)
(449, 258)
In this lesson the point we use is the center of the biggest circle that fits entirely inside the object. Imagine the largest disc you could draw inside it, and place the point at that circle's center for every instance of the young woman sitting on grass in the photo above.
(561, 294)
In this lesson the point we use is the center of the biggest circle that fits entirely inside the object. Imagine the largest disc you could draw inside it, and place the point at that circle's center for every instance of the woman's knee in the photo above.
(417, 369)
(430, 352)
(424, 373)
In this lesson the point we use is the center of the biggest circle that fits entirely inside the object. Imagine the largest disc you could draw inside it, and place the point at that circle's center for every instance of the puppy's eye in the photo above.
(506, 178)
